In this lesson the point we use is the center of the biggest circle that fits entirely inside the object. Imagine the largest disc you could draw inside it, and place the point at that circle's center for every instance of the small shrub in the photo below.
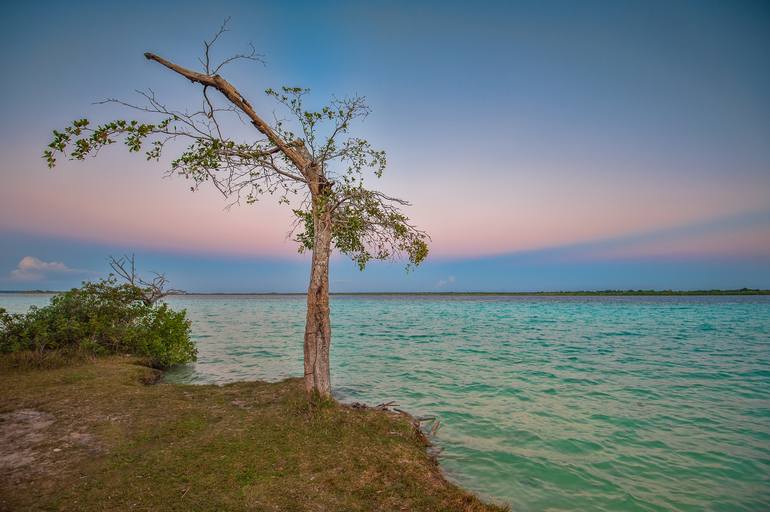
(98, 318)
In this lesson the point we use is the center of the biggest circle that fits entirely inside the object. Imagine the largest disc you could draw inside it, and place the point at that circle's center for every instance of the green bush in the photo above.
(101, 318)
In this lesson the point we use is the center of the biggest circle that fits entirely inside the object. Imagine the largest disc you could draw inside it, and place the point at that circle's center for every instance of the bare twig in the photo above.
(153, 290)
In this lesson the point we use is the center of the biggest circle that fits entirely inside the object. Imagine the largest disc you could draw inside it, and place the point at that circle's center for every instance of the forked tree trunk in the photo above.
(318, 332)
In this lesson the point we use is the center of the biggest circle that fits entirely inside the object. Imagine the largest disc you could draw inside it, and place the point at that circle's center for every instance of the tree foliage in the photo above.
(309, 160)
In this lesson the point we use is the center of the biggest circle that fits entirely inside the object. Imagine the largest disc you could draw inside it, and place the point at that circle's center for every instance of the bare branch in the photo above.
(252, 56)
(151, 291)
(223, 86)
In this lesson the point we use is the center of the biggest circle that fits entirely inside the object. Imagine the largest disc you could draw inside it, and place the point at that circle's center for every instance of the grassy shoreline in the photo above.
(107, 435)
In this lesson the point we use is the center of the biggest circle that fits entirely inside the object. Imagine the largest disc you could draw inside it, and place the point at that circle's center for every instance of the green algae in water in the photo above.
(569, 403)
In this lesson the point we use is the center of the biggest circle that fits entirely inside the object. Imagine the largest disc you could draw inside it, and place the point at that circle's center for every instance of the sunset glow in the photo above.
(509, 131)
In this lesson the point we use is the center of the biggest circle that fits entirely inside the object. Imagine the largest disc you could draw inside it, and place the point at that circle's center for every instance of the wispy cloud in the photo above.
(31, 268)
(744, 234)
(444, 282)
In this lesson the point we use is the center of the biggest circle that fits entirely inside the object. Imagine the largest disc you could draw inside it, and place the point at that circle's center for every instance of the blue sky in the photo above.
(544, 145)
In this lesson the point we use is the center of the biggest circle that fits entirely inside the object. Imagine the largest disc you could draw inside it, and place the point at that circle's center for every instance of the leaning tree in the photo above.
(310, 161)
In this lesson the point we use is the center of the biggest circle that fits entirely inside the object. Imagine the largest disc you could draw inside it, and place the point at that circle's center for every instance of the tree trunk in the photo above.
(318, 332)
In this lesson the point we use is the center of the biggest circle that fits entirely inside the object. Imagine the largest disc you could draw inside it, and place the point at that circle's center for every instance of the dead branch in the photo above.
(153, 290)
(237, 99)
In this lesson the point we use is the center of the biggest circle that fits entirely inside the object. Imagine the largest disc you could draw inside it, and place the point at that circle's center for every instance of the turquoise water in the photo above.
(546, 403)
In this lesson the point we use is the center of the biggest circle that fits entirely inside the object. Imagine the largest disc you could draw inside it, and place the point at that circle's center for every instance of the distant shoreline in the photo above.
(599, 293)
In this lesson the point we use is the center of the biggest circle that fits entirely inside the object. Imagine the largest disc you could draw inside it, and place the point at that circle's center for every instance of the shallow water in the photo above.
(574, 403)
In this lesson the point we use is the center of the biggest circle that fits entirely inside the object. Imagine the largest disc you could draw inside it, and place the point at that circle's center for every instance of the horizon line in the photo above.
(607, 292)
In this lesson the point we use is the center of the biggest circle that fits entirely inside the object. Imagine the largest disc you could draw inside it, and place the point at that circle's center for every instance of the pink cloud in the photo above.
(31, 268)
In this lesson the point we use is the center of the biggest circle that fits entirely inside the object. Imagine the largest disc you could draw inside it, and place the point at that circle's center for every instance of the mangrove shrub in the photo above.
(100, 318)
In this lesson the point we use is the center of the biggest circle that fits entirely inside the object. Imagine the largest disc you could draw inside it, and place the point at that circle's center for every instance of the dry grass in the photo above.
(96, 436)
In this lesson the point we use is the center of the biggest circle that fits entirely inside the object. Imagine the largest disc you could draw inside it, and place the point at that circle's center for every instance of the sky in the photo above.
(544, 145)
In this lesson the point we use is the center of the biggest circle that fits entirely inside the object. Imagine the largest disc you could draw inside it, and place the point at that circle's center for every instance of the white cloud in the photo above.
(443, 282)
(35, 269)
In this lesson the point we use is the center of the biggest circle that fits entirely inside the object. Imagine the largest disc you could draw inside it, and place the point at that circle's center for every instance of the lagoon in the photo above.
(560, 403)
